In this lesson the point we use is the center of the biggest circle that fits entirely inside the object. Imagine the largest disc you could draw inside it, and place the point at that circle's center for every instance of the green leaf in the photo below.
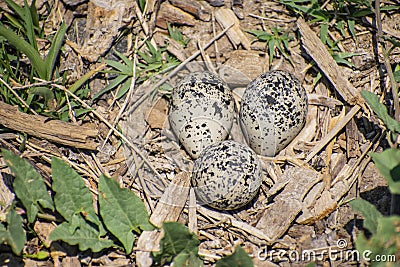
(142, 4)
(124, 88)
(271, 50)
(178, 243)
(362, 12)
(82, 234)
(324, 32)
(13, 234)
(55, 47)
(237, 259)
(390, 8)
(16, 8)
(43, 91)
(397, 76)
(72, 197)
(127, 61)
(30, 31)
(351, 23)
(369, 212)
(124, 69)
(385, 242)
(23, 46)
(381, 111)
(187, 259)
(28, 185)
(122, 211)
(388, 164)
(341, 60)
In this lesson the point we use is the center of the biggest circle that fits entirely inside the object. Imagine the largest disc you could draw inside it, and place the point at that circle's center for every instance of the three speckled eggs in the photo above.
(227, 174)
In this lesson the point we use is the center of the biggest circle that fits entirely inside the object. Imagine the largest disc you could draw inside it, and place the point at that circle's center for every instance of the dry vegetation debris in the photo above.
(303, 202)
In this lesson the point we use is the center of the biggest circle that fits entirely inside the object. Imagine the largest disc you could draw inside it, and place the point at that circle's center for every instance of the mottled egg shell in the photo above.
(202, 111)
(273, 111)
(226, 175)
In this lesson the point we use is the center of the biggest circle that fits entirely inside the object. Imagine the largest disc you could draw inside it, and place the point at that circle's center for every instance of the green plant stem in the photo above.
(395, 201)
(393, 83)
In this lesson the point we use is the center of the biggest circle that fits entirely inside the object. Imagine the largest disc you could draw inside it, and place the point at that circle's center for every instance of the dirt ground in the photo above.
(319, 217)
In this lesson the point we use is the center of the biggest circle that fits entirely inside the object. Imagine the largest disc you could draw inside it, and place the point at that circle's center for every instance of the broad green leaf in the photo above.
(72, 197)
(381, 111)
(397, 75)
(42, 91)
(237, 259)
(82, 234)
(369, 212)
(177, 242)
(28, 185)
(388, 164)
(385, 242)
(187, 259)
(13, 234)
(55, 48)
(16, 232)
(122, 212)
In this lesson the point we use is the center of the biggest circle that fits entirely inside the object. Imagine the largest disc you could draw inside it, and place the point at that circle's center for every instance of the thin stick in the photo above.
(123, 137)
(338, 127)
(235, 223)
(17, 96)
(128, 97)
(178, 68)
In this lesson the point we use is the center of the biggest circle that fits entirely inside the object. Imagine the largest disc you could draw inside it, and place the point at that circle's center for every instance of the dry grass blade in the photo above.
(327, 64)
(177, 69)
(123, 137)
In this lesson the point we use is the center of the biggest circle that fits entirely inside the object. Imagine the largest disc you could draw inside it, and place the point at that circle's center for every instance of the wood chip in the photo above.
(171, 14)
(225, 18)
(287, 204)
(352, 142)
(324, 205)
(158, 114)
(168, 209)
(317, 50)
(104, 21)
(321, 100)
(53, 130)
(197, 8)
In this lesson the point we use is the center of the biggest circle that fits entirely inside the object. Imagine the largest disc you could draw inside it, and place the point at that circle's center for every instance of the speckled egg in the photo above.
(226, 175)
(273, 111)
(202, 111)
